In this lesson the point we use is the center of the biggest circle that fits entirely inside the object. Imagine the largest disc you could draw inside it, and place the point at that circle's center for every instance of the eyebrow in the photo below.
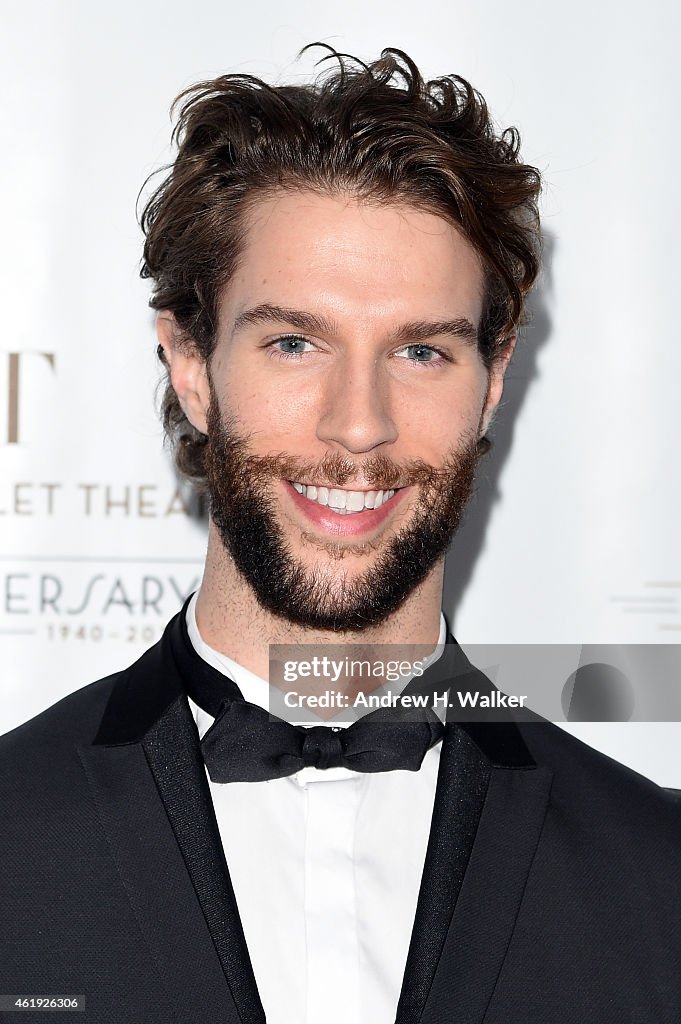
(422, 330)
(296, 318)
(301, 320)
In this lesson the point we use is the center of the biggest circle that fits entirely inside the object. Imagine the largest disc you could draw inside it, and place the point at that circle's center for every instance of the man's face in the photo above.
(346, 399)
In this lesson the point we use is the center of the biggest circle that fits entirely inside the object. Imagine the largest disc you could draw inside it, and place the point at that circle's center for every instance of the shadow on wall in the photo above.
(522, 372)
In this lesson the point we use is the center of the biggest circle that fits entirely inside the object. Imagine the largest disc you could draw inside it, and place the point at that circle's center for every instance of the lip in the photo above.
(325, 520)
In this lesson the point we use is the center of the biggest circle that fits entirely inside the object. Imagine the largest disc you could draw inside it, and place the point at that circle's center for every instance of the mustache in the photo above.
(332, 470)
(228, 445)
(337, 470)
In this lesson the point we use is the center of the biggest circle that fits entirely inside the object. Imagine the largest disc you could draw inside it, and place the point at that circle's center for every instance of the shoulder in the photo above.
(45, 739)
(42, 756)
(72, 717)
(42, 781)
(74, 720)
(597, 800)
(77, 718)
(43, 789)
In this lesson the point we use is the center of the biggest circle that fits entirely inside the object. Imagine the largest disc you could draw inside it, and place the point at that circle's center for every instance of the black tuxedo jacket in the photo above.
(551, 890)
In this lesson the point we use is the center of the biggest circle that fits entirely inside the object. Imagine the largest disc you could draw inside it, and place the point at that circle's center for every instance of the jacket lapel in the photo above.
(148, 779)
(489, 808)
(462, 784)
(150, 787)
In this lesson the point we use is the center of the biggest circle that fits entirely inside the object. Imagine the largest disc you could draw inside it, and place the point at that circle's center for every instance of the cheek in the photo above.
(277, 412)
(438, 419)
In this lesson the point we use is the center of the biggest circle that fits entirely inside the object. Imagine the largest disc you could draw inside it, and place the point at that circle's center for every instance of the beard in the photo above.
(243, 510)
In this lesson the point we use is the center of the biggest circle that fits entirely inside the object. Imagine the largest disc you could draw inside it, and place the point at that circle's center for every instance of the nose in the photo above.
(356, 412)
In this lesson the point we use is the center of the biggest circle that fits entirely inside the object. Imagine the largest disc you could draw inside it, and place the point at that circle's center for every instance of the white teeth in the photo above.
(344, 502)
(337, 498)
(355, 501)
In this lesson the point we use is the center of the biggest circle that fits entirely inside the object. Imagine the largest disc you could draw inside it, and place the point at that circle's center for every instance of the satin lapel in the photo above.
(489, 808)
(182, 783)
(150, 786)
(490, 897)
(156, 882)
(462, 784)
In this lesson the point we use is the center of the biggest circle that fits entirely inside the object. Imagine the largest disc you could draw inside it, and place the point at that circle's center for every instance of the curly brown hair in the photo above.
(379, 132)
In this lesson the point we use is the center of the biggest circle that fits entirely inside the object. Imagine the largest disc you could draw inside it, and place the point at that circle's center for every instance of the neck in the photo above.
(231, 620)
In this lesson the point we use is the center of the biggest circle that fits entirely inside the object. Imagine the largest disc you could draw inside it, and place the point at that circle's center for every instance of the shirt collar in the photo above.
(255, 689)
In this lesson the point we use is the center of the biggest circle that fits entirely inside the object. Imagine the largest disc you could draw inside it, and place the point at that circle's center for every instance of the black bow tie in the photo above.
(247, 744)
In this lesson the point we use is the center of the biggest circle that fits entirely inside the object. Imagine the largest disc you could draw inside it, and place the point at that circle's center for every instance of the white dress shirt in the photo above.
(326, 867)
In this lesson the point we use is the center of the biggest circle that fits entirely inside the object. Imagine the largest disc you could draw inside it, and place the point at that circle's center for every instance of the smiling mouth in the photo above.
(344, 502)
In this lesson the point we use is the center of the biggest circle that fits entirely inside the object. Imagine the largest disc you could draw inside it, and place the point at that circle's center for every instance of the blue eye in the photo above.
(291, 345)
(419, 353)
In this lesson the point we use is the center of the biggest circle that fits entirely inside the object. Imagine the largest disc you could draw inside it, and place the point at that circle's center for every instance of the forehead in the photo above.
(355, 259)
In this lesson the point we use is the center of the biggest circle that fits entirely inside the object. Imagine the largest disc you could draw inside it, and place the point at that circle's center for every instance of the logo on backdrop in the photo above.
(51, 589)
(62, 599)
(97, 590)
(19, 364)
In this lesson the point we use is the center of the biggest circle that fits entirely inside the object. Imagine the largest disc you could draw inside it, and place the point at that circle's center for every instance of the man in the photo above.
(339, 271)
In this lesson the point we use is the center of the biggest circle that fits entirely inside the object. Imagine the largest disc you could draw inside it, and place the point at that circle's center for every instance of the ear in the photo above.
(187, 370)
(495, 386)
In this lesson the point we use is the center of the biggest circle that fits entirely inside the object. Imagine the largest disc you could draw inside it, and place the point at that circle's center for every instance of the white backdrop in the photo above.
(573, 537)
